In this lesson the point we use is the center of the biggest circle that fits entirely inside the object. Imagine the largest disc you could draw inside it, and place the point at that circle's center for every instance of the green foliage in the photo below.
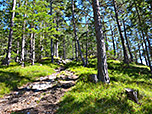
(87, 97)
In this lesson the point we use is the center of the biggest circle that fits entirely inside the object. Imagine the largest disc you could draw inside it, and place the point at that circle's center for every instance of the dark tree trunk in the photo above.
(87, 48)
(86, 41)
(76, 37)
(64, 49)
(113, 40)
(8, 56)
(149, 45)
(101, 51)
(32, 48)
(143, 37)
(105, 35)
(52, 53)
(76, 51)
(125, 54)
(136, 58)
(57, 43)
(41, 43)
(72, 50)
(127, 42)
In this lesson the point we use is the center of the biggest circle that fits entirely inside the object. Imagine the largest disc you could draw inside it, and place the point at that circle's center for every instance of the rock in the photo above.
(132, 95)
(93, 78)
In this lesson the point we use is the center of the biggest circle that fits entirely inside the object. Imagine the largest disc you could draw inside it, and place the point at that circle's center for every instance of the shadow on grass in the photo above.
(11, 79)
(131, 70)
(70, 105)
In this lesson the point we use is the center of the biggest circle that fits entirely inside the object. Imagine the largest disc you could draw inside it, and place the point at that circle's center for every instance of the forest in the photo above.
(75, 56)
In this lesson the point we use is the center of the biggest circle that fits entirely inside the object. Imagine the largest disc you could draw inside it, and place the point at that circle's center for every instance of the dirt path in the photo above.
(39, 97)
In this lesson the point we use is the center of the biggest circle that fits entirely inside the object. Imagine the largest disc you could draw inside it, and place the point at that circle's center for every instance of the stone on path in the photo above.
(39, 97)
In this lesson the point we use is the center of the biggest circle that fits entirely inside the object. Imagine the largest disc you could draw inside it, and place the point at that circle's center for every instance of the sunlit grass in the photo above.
(90, 98)
(15, 76)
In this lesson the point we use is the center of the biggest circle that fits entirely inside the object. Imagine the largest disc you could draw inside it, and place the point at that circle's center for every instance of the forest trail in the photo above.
(39, 97)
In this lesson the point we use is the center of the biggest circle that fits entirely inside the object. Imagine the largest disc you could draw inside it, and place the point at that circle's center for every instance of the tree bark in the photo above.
(101, 51)
(113, 40)
(105, 35)
(149, 45)
(32, 48)
(23, 42)
(127, 42)
(64, 49)
(72, 50)
(52, 53)
(18, 52)
(140, 55)
(143, 37)
(86, 41)
(57, 43)
(125, 54)
(76, 37)
(8, 56)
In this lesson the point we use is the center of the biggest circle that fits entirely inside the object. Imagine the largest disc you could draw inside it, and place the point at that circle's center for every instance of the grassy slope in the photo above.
(90, 98)
(14, 76)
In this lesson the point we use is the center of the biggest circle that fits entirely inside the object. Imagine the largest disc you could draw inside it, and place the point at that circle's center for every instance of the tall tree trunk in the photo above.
(144, 53)
(105, 35)
(76, 51)
(127, 42)
(23, 42)
(113, 40)
(143, 37)
(76, 37)
(101, 52)
(136, 58)
(32, 48)
(57, 43)
(41, 46)
(125, 54)
(86, 41)
(140, 55)
(72, 50)
(52, 53)
(64, 52)
(18, 54)
(8, 56)
(41, 43)
(149, 45)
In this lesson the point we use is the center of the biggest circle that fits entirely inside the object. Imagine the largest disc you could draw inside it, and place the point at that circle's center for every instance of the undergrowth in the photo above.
(90, 98)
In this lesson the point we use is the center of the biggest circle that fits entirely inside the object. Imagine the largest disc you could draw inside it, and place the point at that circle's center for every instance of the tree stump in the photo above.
(132, 95)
